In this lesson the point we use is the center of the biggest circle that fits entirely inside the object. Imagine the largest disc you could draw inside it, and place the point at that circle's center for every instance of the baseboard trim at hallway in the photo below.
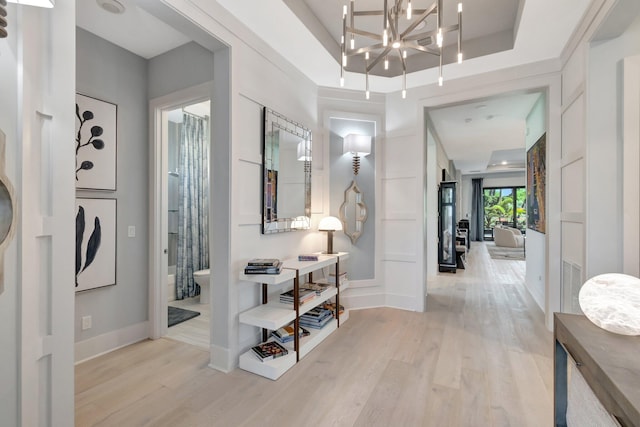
(106, 343)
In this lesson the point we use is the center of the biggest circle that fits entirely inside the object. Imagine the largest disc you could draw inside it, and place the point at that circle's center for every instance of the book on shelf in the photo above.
(257, 269)
(285, 334)
(269, 350)
(316, 324)
(304, 295)
(332, 306)
(318, 287)
(318, 312)
(307, 257)
(263, 262)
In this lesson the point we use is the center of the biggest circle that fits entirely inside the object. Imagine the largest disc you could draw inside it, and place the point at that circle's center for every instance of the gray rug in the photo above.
(179, 315)
(499, 252)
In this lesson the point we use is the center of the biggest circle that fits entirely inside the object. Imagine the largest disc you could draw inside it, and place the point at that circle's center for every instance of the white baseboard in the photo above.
(403, 302)
(105, 343)
(357, 301)
(221, 360)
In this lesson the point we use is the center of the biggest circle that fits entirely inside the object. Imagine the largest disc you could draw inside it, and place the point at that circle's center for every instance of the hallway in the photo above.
(479, 356)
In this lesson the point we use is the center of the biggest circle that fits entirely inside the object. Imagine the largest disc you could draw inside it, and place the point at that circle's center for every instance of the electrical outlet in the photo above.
(131, 231)
(86, 322)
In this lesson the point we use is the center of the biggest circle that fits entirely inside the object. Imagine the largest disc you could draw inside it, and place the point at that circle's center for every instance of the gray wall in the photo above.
(110, 73)
(183, 67)
(362, 253)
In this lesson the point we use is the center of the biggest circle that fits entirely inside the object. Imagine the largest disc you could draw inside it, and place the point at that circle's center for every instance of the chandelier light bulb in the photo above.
(344, 60)
(460, 58)
(439, 37)
(440, 81)
(459, 7)
(341, 81)
(366, 56)
(353, 43)
(367, 94)
(396, 44)
(385, 38)
(409, 10)
(344, 10)
(404, 93)
(404, 54)
(386, 63)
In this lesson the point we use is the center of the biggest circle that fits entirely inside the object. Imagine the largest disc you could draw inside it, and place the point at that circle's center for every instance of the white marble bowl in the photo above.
(612, 302)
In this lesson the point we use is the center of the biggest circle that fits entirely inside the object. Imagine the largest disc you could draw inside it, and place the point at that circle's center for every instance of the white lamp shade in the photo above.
(357, 144)
(39, 3)
(330, 223)
(304, 151)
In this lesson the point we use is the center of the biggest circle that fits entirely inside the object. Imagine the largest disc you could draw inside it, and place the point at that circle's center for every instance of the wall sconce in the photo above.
(330, 224)
(38, 3)
(358, 146)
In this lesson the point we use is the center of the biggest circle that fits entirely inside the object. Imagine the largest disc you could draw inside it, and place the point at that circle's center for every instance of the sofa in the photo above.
(508, 237)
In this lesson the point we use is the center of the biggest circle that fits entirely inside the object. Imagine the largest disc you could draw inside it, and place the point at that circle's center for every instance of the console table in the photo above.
(609, 363)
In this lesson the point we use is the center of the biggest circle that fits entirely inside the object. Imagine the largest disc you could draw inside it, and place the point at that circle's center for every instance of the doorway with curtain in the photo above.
(188, 223)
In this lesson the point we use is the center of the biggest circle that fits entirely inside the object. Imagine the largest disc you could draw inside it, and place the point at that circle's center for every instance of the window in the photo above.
(506, 206)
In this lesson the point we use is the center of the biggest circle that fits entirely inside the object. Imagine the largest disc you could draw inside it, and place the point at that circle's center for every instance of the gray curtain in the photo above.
(477, 211)
(193, 209)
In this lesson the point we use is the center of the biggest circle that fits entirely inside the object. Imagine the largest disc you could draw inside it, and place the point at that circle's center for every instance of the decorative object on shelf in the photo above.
(330, 224)
(96, 138)
(269, 350)
(95, 243)
(405, 33)
(307, 257)
(8, 210)
(286, 195)
(353, 211)
(536, 185)
(612, 302)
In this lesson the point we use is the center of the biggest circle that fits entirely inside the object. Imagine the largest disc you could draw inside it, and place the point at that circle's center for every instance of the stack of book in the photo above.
(285, 334)
(318, 287)
(269, 351)
(316, 318)
(263, 266)
(332, 306)
(304, 295)
(308, 257)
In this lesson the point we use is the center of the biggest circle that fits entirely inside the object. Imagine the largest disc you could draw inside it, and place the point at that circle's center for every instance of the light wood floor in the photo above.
(480, 356)
(194, 331)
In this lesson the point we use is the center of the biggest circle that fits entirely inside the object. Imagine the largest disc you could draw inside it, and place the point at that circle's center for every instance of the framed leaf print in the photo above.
(95, 243)
(96, 139)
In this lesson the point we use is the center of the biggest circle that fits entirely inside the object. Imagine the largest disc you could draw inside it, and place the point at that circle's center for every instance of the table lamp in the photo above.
(330, 224)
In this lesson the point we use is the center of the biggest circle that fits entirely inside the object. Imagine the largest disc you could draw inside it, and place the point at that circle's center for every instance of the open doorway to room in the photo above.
(187, 195)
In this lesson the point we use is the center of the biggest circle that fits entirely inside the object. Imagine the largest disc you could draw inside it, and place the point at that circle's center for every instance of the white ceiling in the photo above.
(543, 28)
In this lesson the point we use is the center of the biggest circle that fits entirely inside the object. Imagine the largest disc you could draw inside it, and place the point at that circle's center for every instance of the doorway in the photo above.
(187, 194)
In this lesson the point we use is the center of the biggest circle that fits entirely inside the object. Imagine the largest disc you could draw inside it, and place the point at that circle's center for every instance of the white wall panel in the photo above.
(399, 156)
(573, 130)
(399, 198)
(401, 278)
(573, 187)
(573, 242)
(573, 73)
(400, 242)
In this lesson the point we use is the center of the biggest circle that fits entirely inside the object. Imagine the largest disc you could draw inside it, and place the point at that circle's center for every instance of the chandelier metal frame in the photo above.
(391, 41)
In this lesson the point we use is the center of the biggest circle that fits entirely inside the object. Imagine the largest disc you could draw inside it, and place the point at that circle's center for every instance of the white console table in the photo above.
(271, 315)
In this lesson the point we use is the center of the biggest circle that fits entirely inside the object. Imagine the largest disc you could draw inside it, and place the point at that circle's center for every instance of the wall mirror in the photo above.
(8, 212)
(286, 174)
(353, 212)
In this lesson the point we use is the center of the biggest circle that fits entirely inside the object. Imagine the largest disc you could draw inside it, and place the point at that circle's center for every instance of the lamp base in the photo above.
(330, 243)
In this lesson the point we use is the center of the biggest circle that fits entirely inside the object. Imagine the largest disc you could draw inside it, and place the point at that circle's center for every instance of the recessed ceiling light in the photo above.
(111, 6)
(504, 162)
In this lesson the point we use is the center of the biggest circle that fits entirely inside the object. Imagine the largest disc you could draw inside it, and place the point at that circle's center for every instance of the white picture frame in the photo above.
(96, 144)
(95, 222)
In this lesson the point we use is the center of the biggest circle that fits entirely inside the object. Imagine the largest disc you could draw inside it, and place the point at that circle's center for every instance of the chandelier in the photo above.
(404, 33)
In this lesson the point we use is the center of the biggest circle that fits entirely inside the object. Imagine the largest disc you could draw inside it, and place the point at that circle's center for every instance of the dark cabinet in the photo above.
(447, 226)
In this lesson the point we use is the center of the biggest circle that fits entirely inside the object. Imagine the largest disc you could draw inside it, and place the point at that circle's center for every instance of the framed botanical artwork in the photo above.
(536, 185)
(96, 141)
(95, 243)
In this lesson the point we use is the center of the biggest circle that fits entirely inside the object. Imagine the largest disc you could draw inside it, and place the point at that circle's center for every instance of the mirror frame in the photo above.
(272, 119)
(360, 209)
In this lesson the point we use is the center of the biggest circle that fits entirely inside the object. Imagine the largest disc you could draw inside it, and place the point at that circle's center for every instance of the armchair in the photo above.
(508, 237)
